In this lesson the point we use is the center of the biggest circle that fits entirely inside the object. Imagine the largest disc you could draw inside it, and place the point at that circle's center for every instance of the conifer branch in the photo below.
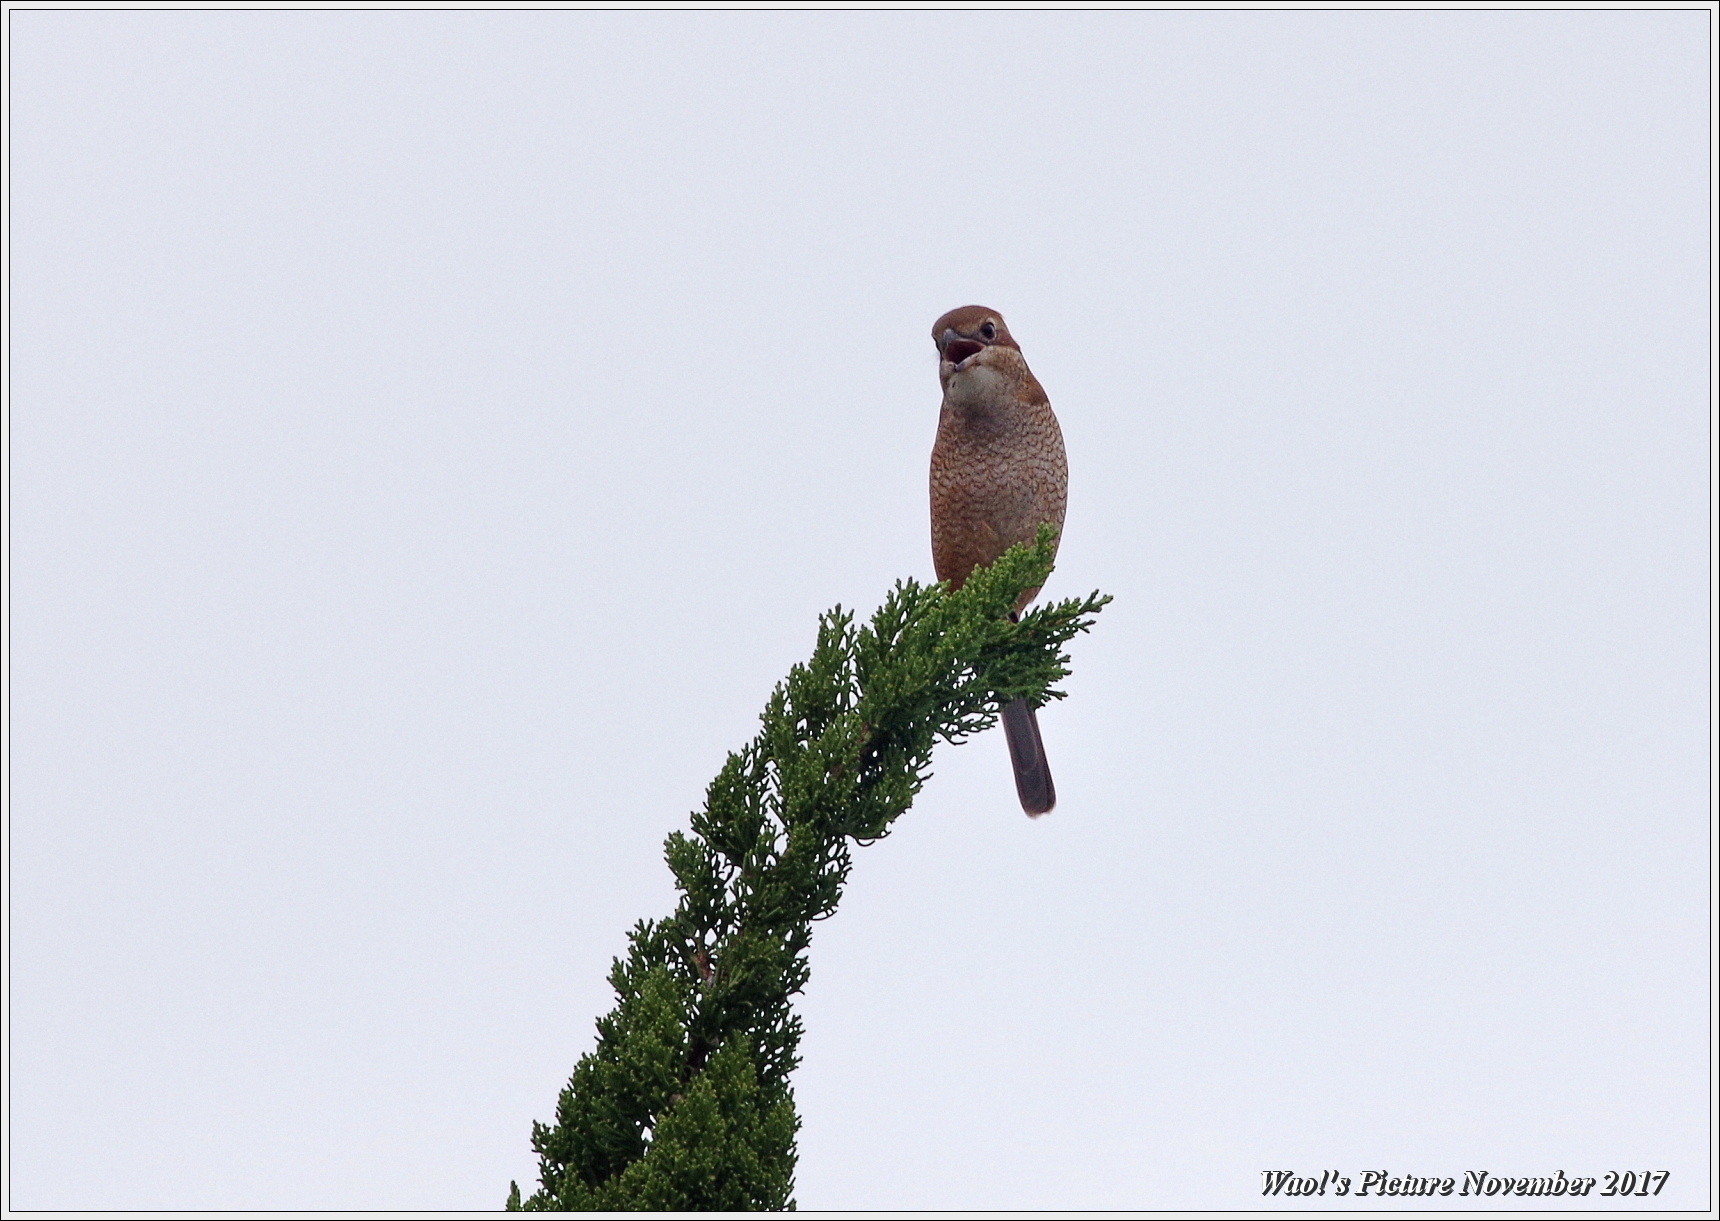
(685, 1102)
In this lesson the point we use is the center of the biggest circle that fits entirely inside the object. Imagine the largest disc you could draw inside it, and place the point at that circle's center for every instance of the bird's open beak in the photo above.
(955, 348)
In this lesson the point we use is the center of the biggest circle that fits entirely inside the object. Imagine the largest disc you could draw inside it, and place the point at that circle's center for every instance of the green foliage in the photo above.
(685, 1102)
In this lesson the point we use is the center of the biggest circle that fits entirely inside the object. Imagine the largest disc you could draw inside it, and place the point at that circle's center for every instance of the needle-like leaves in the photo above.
(685, 1102)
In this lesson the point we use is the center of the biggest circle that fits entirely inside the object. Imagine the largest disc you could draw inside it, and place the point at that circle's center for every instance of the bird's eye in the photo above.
(988, 330)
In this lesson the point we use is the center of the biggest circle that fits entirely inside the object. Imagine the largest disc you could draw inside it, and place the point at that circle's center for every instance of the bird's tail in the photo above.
(1027, 755)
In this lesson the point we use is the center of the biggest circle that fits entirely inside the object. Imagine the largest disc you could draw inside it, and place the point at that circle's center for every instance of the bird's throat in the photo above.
(978, 390)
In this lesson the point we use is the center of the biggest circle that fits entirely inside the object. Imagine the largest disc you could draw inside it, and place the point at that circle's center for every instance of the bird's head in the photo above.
(970, 337)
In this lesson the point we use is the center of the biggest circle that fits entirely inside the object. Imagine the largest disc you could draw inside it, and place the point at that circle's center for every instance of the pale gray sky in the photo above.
(434, 433)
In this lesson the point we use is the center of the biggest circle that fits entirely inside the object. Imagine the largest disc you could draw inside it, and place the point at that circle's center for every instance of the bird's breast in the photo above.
(996, 476)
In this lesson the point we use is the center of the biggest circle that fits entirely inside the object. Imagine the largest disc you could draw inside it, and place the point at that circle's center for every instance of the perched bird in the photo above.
(998, 472)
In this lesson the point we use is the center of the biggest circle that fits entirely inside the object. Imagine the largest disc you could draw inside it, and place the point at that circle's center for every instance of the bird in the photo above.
(998, 473)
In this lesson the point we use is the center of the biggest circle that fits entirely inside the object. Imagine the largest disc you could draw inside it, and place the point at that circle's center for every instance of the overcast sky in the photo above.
(433, 434)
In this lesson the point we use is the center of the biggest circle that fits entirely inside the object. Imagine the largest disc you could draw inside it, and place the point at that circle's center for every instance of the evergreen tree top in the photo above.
(685, 1102)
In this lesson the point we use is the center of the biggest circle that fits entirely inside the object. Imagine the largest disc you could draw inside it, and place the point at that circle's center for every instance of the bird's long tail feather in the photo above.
(1027, 755)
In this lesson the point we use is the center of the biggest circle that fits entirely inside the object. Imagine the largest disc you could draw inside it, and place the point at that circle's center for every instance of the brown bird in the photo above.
(998, 472)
